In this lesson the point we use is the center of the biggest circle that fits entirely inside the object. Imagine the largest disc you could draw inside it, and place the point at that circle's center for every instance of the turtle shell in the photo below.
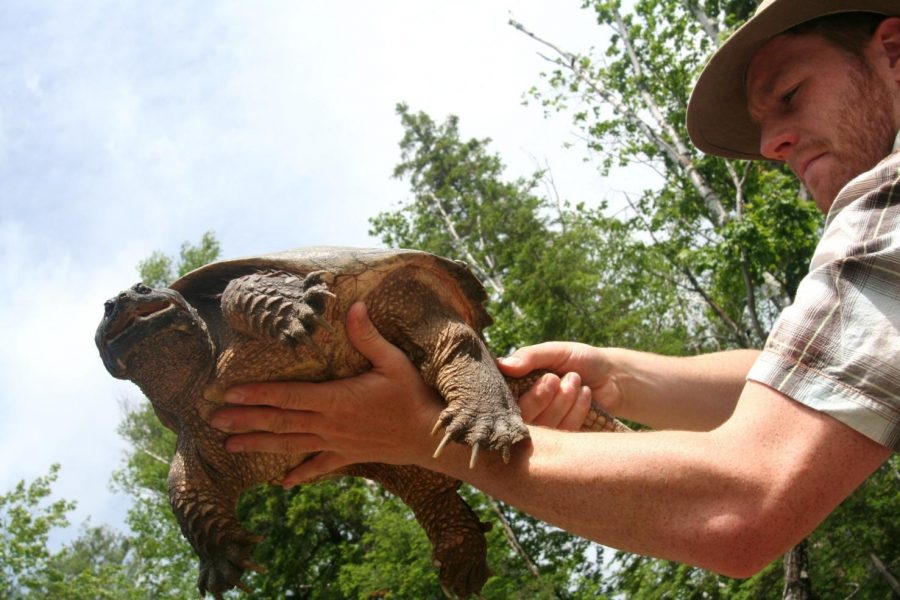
(365, 268)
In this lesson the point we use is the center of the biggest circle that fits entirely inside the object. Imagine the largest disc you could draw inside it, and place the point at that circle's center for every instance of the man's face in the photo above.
(822, 111)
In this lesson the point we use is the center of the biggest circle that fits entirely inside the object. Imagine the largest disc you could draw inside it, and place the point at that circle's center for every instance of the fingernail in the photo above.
(235, 397)
(511, 361)
(221, 422)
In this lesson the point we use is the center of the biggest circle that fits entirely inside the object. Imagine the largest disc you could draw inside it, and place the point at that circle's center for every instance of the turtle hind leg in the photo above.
(459, 548)
(277, 305)
(597, 418)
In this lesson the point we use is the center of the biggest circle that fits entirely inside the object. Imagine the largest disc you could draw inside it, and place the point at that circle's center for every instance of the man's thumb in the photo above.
(365, 337)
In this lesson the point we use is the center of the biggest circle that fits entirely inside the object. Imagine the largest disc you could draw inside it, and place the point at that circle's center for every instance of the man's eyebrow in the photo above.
(757, 96)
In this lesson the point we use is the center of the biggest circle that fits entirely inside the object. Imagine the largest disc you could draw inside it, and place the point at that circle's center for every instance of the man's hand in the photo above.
(561, 399)
(383, 415)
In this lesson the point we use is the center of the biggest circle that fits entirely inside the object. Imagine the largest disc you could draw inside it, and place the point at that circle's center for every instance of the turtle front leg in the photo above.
(206, 515)
(281, 306)
(452, 358)
(481, 409)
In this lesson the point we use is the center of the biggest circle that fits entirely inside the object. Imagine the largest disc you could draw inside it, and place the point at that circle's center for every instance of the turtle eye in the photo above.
(108, 307)
(140, 288)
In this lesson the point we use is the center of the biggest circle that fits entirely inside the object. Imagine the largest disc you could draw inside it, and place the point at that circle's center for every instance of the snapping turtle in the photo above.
(280, 317)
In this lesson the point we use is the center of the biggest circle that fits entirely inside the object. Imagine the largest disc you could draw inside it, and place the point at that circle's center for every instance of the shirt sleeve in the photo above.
(836, 349)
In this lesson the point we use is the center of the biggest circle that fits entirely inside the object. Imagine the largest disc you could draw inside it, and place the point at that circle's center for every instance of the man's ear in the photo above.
(887, 36)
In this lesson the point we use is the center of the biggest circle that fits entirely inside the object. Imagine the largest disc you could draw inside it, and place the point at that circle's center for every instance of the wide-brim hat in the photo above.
(717, 118)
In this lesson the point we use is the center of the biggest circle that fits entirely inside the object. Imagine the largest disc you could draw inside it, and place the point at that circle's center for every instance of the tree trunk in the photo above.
(797, 585)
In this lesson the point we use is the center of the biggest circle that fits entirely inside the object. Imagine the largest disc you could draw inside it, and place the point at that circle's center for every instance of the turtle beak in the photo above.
(132, 316)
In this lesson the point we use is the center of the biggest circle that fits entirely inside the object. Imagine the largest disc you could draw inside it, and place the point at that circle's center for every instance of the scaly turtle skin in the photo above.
(281, 317)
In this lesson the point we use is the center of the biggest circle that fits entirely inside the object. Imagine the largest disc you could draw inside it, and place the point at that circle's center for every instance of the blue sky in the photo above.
(128, 127)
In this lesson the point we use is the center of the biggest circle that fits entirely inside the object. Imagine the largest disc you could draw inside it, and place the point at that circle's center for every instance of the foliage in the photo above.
(26, 520)
(160, 269)
(738, 235)
(553, 271)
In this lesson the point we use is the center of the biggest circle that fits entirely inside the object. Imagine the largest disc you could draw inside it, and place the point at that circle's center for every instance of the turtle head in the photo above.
(156, 339)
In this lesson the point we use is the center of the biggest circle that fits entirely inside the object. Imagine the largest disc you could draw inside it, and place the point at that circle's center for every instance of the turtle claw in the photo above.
(475, 449)
(447, 437)
(323, 323)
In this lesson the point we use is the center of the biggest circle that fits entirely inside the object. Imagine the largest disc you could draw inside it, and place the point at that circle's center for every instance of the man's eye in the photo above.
(786, 99)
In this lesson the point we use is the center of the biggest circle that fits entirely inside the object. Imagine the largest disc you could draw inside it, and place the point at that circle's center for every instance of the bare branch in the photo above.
(682, 154)
(886, 574)
(569, 61)
(461, 246)
(695, 284)
(677, 150)
(154, 456)
(513, 539)
(710, 26)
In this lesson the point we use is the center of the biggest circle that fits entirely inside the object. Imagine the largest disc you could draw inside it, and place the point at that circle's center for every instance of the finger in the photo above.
(549, 355)
(579, 412)
(293, 395)
(536, 400)
(553, 415)
(366, 338)
(317, 466)
(274, 443)
(253, 418)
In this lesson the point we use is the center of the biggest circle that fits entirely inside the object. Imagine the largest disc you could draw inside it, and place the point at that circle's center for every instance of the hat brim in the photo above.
(717, 117)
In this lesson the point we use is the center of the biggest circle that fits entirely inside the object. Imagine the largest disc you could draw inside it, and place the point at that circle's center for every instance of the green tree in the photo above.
(26, 519)
(97, 564)
(738, 235)
(552, 271)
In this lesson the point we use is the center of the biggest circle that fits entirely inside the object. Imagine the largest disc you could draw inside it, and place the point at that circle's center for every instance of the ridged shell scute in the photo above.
(212, 278)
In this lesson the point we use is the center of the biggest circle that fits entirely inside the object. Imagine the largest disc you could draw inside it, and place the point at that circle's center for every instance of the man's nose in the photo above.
(777, 141)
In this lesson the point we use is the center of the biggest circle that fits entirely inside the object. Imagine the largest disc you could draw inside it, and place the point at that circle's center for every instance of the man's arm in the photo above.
(694, 393)
(730, 499)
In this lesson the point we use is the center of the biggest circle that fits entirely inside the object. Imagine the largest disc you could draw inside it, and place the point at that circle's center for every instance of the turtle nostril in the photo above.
(108, 307)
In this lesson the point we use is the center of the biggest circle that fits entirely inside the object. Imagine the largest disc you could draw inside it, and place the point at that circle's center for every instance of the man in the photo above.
(752, 451)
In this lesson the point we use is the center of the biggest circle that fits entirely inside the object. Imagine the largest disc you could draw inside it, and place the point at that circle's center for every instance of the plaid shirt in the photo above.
(836, 349)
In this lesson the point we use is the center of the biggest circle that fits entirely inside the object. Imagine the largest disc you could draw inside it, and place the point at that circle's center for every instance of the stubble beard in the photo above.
(864, 133)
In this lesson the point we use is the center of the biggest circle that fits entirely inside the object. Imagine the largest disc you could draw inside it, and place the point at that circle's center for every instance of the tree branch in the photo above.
(513, 539)
(569, 61)
(677, 153)
(695, 284)
(710, 26)
(749, 288)
(461, 247)
(886, 574)
(682, 153)
(155, 457)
